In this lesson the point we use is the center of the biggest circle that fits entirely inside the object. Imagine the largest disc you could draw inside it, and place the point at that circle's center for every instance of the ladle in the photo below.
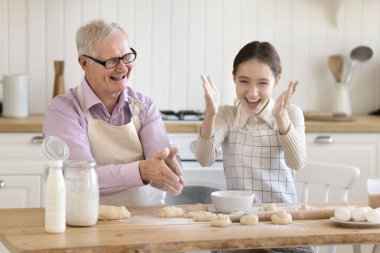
(359, 54)
(336, 66)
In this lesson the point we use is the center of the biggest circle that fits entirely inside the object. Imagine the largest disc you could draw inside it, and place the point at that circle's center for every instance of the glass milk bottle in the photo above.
(55, 198)
(82, 193)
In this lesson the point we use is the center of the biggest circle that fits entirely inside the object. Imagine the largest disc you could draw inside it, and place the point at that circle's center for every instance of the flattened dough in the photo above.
(268, 207)
(249, 220)
(203, 216)
(281, 218)
(113, 212)
(220, 220)
(171, 212)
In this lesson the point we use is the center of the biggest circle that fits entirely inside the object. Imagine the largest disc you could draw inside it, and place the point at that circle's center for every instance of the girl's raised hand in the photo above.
(284, 100)
(211, 95)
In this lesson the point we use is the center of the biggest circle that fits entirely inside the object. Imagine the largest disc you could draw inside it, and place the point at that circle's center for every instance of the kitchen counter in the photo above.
(22, 230)
(359, 124)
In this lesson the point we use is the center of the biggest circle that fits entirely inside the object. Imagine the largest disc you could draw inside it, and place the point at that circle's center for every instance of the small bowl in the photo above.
(228, 201)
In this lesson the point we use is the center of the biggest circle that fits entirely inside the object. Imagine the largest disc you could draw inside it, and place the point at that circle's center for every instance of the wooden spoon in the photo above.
(336, 66)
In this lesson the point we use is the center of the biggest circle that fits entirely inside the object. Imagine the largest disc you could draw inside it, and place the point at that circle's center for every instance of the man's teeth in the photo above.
(117, 78)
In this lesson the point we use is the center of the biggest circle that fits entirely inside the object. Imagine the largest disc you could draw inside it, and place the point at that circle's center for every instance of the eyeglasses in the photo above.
(114, 62)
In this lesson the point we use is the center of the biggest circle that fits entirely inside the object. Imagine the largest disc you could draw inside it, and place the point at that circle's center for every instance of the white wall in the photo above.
(177, 40)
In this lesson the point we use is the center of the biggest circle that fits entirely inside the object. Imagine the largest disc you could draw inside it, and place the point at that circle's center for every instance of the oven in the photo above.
(199, 181)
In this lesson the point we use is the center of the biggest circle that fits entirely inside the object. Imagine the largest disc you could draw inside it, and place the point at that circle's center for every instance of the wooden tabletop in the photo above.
(22, 230)
(358, 124)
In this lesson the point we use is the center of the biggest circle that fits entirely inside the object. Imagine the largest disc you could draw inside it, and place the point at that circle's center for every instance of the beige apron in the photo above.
(120, 145)
(254, 161)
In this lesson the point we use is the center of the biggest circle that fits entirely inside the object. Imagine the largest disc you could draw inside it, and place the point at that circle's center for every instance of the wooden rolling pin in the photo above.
(296, 215)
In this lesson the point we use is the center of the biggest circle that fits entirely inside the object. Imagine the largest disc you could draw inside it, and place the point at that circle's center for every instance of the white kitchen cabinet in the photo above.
(22, 170)
(356, 149)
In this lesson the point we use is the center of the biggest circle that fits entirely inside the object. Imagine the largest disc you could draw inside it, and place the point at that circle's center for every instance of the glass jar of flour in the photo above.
(82, 193)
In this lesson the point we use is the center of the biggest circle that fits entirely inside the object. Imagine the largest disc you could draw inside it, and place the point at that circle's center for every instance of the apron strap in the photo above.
(81, 102)
(136, 106)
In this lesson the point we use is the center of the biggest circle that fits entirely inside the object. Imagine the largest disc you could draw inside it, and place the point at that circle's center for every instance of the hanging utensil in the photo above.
(59, 85)
(359, 54)
(336, 66)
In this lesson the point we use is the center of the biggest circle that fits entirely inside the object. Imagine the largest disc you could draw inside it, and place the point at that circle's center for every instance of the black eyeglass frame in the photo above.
(104, 63)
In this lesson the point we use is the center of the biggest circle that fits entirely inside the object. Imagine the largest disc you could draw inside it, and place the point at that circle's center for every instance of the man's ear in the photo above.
(83, 61)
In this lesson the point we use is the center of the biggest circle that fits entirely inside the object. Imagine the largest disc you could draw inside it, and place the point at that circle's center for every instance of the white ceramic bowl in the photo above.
(228, 201)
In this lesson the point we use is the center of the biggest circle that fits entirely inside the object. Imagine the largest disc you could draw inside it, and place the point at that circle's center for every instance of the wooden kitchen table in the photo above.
(22, 230)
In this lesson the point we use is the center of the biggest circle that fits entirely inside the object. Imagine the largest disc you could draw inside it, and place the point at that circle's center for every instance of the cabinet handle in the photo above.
(2, 184)
(324, 139)
(37, 139)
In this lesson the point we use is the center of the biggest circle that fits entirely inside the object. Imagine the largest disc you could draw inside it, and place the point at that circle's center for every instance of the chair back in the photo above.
(326, 176)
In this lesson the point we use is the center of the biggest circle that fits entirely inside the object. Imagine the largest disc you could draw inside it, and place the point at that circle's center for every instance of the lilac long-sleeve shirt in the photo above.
(64, 118)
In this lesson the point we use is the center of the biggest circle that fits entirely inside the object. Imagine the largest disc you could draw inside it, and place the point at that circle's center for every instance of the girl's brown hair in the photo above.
(261, 51)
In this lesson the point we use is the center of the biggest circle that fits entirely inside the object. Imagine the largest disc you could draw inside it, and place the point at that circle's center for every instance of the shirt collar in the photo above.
(91, 99)
(265, 114)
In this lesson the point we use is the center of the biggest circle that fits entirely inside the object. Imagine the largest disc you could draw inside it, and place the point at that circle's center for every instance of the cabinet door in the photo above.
(21, 146)
(360, 150)
(20, 191)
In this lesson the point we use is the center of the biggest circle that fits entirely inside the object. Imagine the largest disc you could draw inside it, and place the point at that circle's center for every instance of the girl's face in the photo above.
(255, 83)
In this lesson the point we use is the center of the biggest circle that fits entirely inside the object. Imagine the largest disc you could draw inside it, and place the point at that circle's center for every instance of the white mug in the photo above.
(15, 95)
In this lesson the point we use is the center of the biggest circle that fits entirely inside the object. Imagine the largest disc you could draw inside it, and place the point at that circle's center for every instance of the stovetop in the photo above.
(182, 115)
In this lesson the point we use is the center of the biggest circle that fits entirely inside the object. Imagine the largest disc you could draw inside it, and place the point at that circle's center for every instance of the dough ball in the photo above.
(113, 212)
(373, 215)
(171, 212)
(197, 207)
(359, 213)
(236, 215)
(203, 216)
(249, 220)
(268, 207)
(304, 207)
(281, 218)
(220, 220)
(342, 214)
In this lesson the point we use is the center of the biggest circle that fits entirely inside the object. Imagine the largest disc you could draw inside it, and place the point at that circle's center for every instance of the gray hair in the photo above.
(97, 29)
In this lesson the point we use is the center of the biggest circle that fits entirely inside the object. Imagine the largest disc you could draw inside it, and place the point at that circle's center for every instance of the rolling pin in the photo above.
(296, 215)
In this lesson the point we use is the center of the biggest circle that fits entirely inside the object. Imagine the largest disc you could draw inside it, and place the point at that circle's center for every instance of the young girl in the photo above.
(262, 140)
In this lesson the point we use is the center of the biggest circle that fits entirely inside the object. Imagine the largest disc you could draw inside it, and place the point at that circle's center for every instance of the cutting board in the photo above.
(326, 116)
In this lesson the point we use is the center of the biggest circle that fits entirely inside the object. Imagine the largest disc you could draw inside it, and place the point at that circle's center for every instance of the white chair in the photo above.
(325, 179)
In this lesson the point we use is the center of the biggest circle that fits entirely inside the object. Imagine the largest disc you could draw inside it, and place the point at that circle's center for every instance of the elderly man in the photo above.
(105, 120)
